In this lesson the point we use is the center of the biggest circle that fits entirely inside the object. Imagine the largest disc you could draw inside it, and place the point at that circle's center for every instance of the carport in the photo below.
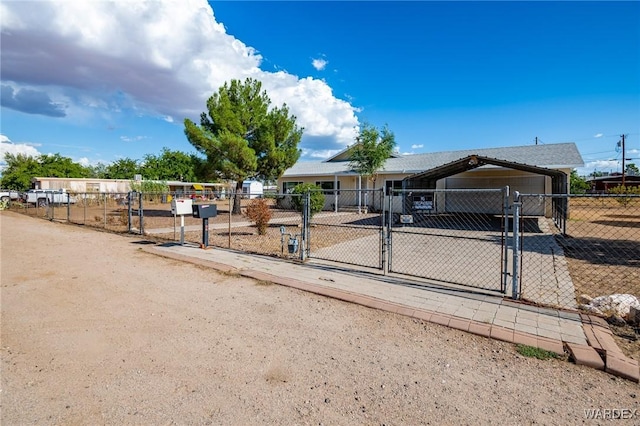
(428, 179)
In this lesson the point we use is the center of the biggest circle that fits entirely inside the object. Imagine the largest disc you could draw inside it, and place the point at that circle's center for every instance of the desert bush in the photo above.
(124, 216)
(626, 193)
(317, 197)
(258, 212)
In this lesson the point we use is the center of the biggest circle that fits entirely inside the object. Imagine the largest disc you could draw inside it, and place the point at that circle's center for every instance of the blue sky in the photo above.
(99, 81)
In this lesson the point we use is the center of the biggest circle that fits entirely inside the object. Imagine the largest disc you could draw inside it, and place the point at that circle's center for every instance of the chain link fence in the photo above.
(237, 231)
(581, 248)
(568, 249)
(452, 236)
(349, 229)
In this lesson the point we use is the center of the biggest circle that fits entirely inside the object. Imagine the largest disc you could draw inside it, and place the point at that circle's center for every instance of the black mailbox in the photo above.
(204, 211)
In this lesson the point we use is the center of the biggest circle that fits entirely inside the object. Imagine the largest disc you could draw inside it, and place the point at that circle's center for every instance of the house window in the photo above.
(390, 185)
(287, 187)
(328, 187)
(93, 187)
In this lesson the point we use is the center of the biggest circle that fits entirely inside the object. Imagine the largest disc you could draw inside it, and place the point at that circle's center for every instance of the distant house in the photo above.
(252, 189)
(602, 184)
(121, 186)
(534, 169)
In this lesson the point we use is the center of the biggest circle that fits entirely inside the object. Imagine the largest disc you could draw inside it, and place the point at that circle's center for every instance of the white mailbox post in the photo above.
(180, 207)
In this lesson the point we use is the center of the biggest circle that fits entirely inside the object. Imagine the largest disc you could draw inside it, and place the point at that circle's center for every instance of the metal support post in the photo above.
(517, 204)
(306, 213)
(129, 212)
(141, 213)
(205, 233)
(505, 238)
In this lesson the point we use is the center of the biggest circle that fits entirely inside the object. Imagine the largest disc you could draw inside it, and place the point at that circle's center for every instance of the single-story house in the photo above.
(121, 186)
(531, 169)
(602, 184)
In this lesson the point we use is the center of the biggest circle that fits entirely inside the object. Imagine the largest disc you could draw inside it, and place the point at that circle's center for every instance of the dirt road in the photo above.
(95, 331)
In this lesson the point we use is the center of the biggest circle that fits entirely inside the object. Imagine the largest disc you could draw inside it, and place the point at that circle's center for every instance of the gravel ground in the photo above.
(95, 331)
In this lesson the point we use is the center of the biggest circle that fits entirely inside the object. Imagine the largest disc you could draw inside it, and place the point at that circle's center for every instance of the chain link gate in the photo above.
(349, 229)
(453, 236)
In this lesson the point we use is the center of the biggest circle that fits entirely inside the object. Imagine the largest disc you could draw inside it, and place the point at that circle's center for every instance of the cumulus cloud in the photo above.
(416, 146)
(319, 64)
(159, 58)
(8, 147)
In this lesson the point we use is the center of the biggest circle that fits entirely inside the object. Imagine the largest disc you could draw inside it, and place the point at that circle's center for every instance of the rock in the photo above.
(634, 316)
(584, 299)
(616, 320)
(590, 309)
(613, 305)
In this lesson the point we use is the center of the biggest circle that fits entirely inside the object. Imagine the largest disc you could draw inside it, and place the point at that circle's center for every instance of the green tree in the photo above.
(316, 197)
(372, 149)
(242, 137)
(632, 169)
(578, 185)
(97, 171)
(55, 165)
(123, 168)
(169, 165)
(19, 171)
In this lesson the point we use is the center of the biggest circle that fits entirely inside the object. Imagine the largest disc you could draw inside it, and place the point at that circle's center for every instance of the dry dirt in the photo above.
(95, 331)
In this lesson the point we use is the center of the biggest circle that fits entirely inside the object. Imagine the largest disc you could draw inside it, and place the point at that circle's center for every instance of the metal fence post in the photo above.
(129, 212)
(383, 234)
(505, 238)
(389, 222)
(104, 200)
(141, 213)
(305, 233)
(517, 204)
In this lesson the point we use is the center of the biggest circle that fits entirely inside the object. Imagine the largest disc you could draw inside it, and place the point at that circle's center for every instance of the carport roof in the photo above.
(549, 156)
(475, 161)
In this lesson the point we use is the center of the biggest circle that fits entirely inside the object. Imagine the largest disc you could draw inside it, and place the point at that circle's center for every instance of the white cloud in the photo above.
(6, 146)
(159, 58)
(319, 64)
(598, 135)
(600, 166)
(132, 139)
(416, 146)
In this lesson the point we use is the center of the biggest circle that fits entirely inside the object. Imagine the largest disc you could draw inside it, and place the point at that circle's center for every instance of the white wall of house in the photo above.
(83, 185)
(481, 178)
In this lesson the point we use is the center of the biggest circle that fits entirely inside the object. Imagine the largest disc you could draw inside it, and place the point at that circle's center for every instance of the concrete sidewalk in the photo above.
(587, 339)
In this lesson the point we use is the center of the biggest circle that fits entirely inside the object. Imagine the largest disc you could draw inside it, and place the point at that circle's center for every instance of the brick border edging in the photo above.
(600, 339)
(602, 353)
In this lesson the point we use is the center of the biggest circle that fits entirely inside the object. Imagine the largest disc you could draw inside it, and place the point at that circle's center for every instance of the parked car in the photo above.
(43, 197)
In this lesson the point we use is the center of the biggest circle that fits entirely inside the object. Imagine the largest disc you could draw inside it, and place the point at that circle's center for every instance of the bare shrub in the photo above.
(258, 212)
(124, 217)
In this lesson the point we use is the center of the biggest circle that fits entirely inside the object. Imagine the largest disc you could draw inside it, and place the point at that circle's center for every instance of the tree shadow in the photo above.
(600, 251)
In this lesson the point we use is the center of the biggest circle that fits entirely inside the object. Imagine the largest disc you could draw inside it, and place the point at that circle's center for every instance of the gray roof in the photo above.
(552, 156)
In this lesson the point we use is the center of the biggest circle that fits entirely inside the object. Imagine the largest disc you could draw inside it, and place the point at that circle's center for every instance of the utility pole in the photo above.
(536, 140)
